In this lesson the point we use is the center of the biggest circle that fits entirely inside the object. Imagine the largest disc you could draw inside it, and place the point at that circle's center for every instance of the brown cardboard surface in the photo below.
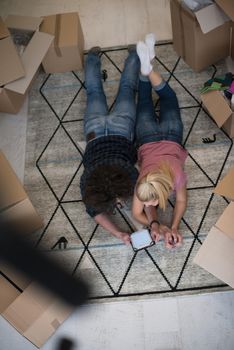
(10, 101)
(4, 32)
(66, 52)
(198, 50)
(11, 67)
(226, 221)
(8, 293)
(23, 22)
(31, 58)
(36, 314)
(227, 6)
(210, 17)
(24, 216)
(217, 106)
(45, 325)
(11, 190)
(226, 186)
(216, 255)
(27, 307)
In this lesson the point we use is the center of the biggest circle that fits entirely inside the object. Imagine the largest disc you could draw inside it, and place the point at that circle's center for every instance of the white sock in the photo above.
(150, 41)
(143, 53)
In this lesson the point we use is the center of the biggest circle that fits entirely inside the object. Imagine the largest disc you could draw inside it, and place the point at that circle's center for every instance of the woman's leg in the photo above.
(122, 119)
(169, 119)
(96, 107)
(169, 125)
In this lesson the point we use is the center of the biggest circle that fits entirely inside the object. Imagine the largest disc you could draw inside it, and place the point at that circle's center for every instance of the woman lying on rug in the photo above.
(161, 156)
(110, 155)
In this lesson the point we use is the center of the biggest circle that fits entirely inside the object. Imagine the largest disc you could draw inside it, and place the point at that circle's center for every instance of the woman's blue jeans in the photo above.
(151, 127)
(121, 120)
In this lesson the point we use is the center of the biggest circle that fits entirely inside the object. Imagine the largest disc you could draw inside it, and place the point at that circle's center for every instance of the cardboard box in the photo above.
(201, 38)
(216, 254)
(219, 110)
(12, 95)
(11, 67)
(66, 52)
(34, 312)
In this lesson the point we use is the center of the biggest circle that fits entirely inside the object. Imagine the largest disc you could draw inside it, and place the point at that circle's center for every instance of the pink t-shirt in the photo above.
(152, 154)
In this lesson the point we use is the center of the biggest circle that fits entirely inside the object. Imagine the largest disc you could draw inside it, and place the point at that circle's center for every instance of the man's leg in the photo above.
(122, 119)
(96, 100)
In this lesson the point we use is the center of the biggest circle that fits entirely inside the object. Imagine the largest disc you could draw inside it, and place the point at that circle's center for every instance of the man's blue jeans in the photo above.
(121, 120)
(150, 127)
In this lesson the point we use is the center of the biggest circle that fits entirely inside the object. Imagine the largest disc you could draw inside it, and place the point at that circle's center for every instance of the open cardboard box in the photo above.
(216, 254)
(202, 38)
(66, 52)
(12, 94)
(34, 312)
(11, 67)
(219, 109)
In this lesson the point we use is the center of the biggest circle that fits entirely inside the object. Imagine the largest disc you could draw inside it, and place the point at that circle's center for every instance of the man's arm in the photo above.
(104, 220)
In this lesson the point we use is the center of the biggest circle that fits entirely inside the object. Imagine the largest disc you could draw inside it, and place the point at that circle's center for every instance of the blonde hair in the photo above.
(156, 185)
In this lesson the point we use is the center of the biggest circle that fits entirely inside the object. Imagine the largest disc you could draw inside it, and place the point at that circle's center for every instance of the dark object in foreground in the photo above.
(19, 253)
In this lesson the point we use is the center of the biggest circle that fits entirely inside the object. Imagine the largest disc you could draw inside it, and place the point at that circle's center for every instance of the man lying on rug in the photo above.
(161, 156)
(109, 158)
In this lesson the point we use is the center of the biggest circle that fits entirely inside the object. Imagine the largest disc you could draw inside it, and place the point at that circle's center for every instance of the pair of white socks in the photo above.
(145, 51)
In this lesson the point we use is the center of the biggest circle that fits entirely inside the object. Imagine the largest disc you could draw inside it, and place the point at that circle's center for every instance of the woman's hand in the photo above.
(154, 231)
(177, 238)
(124, 236)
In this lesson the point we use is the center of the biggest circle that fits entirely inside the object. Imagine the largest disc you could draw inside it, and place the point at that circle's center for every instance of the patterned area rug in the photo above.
(54, 166)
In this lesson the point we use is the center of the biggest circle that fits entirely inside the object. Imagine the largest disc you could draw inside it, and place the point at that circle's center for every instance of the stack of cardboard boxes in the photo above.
(202, 38)
(26, 42)
(216, 254)
(55, 41)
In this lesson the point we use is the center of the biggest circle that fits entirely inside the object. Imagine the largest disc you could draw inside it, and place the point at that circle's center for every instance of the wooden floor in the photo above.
(105, 23)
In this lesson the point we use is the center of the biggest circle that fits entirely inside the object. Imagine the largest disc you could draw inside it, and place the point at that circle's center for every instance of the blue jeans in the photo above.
(150, 127)
(121, 121)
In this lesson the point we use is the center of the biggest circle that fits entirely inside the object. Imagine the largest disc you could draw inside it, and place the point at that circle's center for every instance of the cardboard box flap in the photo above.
(217, 106)
(225, 222)
(15, 276)
(210, 17)
(23, 22)
(45, 325)
(8, 293)
(31, 58)
(12, 284)
(64, 27)
(216, 255)
(226, 186)
(68, 29)
(28, 307)
(4, 32)
(23, 216)
(11, 189)
(227, 6)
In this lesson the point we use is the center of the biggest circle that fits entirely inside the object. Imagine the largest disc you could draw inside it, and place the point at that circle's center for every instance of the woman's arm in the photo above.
(138, 211)
(180, 207)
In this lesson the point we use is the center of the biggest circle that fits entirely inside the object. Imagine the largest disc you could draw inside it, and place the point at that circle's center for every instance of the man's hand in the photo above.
(124, 236)
(155, 232)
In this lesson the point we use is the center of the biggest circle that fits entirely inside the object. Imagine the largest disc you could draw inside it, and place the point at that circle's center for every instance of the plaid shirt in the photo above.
(108, 150)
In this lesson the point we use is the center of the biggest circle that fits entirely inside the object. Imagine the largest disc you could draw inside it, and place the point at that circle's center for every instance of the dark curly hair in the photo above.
(105, 184)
